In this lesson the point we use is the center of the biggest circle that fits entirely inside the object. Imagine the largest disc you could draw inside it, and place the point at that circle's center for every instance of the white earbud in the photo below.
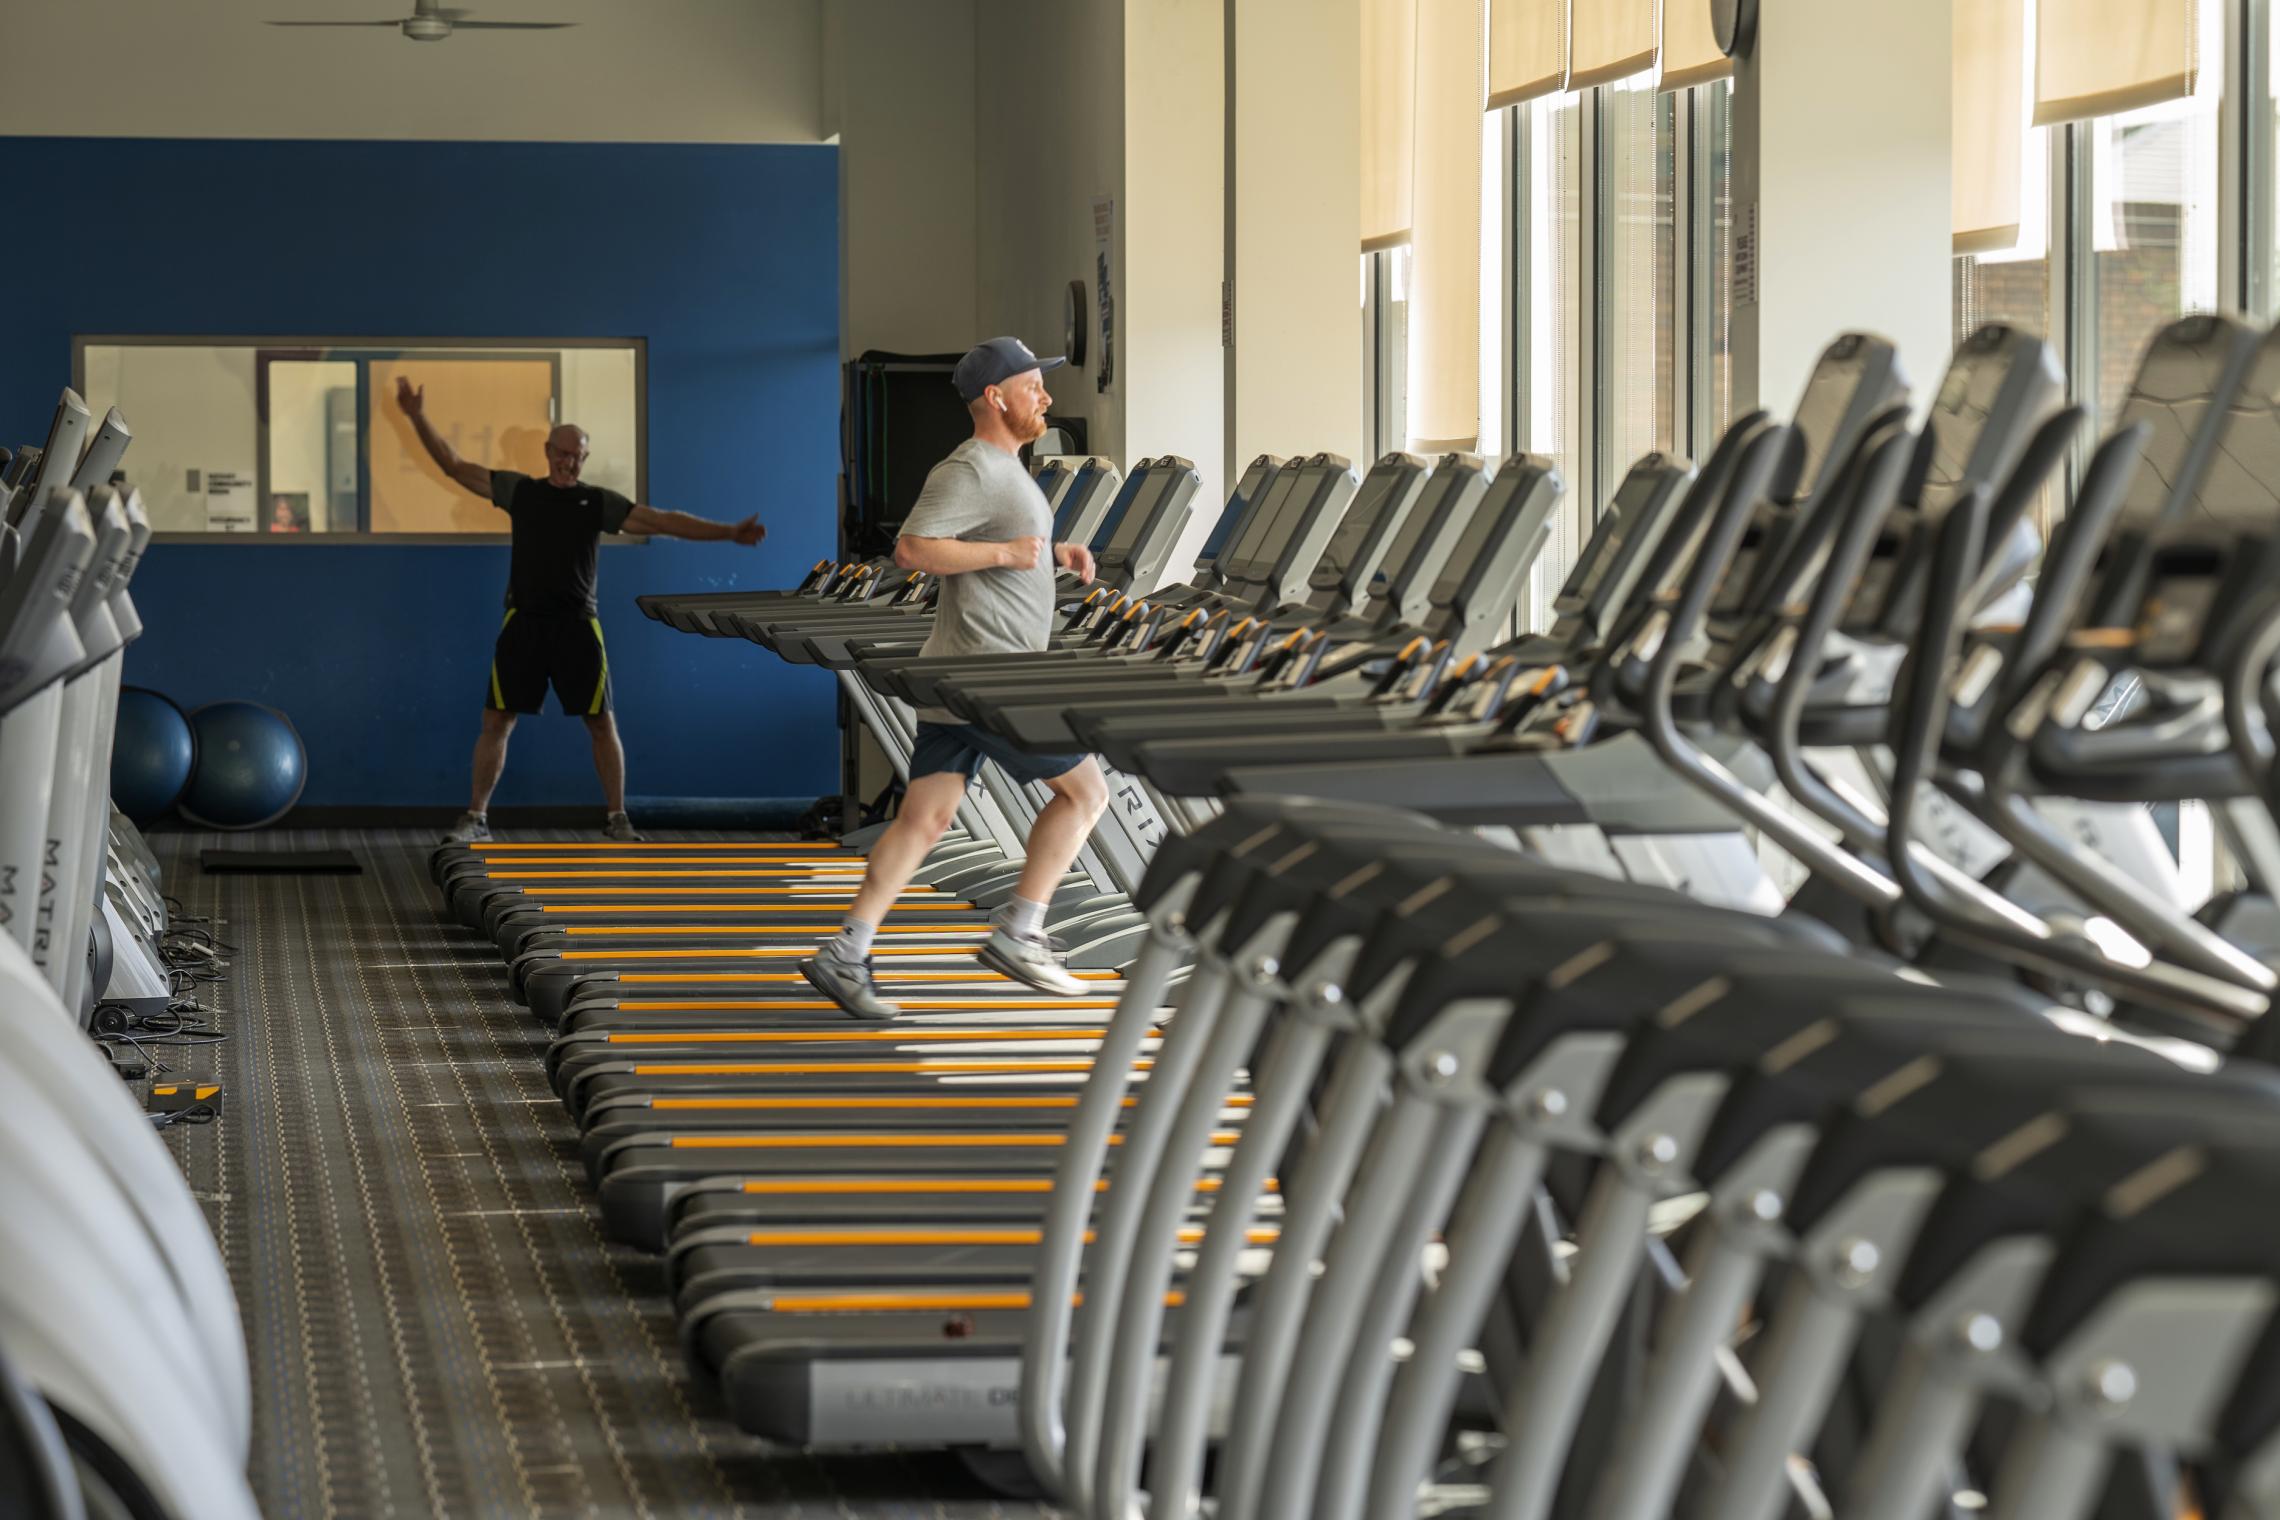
(1000, 403)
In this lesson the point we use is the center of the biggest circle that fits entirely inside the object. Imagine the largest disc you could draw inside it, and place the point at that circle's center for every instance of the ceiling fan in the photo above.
(432, 21)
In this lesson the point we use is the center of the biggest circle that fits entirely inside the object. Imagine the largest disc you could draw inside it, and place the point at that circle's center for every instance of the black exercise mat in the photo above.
(279, 863)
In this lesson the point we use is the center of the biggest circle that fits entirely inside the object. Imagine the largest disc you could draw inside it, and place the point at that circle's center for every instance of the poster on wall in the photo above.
(229, 502)
(1104, 242)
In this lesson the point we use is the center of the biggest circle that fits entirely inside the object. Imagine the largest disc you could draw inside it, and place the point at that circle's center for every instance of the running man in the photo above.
(981, 524)
(552, 634)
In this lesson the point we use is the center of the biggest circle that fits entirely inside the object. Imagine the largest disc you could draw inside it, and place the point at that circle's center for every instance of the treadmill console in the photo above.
(2002, 385)
(1093, 485)
(1480, 584)
(1365, 535)
(1856, 379)
(1442, 512)
(1324, 488)
(1243, 504)
(1151, 524)
(1628, 532)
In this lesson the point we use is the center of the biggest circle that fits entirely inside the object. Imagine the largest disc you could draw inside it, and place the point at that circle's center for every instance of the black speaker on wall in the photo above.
(898, 418)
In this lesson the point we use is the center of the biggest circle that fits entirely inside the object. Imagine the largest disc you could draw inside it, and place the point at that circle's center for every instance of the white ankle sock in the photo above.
(1022, 916)
(854, 941)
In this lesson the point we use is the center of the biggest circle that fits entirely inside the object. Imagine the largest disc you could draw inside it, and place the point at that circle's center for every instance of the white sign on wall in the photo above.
(1104, 251)
(229, 502)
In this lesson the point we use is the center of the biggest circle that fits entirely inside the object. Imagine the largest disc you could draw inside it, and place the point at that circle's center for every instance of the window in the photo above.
(285, 437)
(1642, 269)
(1549, 193)
(1494, 277)
(1715, 375)
(2153, 219)
(1607, 237)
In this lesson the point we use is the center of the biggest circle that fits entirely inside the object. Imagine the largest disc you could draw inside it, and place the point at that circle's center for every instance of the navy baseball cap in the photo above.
(986, 364)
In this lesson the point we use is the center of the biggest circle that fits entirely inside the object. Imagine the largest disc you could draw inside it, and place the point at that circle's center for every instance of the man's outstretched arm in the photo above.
(656, 522)
(473, 476)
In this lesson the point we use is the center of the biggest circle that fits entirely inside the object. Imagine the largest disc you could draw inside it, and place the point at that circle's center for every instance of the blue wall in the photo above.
(724, 258)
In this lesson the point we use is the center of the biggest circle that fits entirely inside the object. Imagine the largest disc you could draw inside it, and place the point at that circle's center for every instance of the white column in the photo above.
(1841, 176)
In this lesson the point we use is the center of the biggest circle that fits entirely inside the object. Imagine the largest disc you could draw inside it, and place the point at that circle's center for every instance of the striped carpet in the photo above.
(437, 1326)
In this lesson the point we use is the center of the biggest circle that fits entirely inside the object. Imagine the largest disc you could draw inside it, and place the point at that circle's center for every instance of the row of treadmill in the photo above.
(124, 1384)
(1745, 1049)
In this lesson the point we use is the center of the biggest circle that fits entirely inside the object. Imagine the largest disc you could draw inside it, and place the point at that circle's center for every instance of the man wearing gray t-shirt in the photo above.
(981, 524)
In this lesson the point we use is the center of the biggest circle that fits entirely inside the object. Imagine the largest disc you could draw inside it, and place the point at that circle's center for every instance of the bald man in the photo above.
(551, 634)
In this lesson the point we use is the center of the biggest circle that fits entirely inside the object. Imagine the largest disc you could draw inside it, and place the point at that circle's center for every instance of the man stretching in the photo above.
(982, 525)
(552, 635)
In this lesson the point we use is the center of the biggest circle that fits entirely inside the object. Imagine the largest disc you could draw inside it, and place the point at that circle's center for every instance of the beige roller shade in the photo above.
(1610, 40)
(1389, 120)
(1444, 280)
(2100, 57)
(1989, 113)
(1690, 54)
(1527, 50)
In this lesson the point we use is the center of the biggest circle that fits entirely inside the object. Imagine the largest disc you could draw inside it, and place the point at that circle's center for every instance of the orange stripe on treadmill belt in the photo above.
(817, 1005)
(766, 978)
(803, 1187)
(820, 931)
(684, 865)
(865, 1068)
(825, 889)
(931, 1303)
(639, 876)
(741, 1105)
(865, 1142)
(621, 846)
(844, 1036)
(1188, 1235)
(759, 952)
(684, 907)
(964, 1101)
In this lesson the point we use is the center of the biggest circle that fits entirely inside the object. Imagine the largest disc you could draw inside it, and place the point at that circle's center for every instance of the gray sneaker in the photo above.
(469, 828)
(847, 983)
(1027, 958)
(621, 827)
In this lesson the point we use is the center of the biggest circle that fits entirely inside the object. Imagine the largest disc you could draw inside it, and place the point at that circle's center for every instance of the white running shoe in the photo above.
(847, 983)
(621, 827)
(469, 828)
(1029, 959)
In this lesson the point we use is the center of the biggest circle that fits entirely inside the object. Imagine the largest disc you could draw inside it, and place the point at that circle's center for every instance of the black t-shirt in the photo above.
(556, 533)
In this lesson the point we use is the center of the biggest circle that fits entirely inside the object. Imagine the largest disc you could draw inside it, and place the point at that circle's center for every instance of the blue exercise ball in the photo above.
(153, 754)
(251, 766)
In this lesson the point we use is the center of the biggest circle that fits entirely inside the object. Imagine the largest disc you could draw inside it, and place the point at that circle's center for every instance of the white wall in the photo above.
(1842, 133)
(1048, 138)
(654, 71)
(898, 88)
(1173, 222)
(1298, 335)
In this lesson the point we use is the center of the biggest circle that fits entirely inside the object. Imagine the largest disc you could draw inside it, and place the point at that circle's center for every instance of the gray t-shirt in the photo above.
(981, 493)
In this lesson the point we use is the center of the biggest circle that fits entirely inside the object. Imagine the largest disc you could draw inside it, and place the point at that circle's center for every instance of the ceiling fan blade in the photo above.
(510, 26)
(335, 23)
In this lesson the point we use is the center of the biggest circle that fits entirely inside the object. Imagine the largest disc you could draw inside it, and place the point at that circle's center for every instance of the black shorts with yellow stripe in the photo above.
(538, 650)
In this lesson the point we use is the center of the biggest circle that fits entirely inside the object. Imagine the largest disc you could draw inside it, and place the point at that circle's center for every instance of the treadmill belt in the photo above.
(437, 1326)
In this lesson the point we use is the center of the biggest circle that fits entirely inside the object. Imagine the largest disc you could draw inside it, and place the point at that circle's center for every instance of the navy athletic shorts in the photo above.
(962, 747)
(538, 651)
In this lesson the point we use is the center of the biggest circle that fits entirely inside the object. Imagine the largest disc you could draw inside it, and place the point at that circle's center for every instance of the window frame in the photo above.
(1589, 446)
(267, 348)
